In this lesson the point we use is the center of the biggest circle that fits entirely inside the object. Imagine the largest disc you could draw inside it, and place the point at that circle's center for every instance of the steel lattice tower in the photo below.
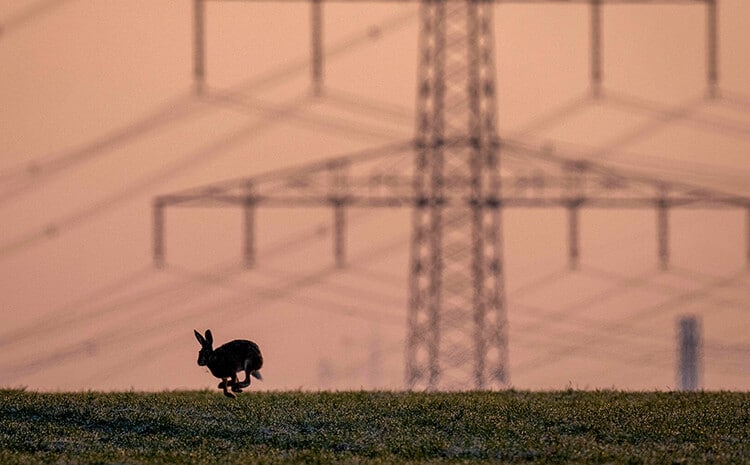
(457, 336)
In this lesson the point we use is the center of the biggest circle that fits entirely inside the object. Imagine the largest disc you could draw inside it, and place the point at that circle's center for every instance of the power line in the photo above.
(361, 104)
(107, 204)
(626, 322)
(684, 112)
(595, 328)
(629, 332)
(54, 163)
(113, 337)
(62, 318)
(606, 353)
(32, 173)
(114, 307)
(331, 124)
(347, 291)
(564, 111)
(598, 272)
(555, 317)
(662, 119)
(671, 170)
(35, 173)
(562, 314)
(648, 164)
(340, 47)
(239, 306)
(51, 321)
(710, 123)
(736, 99)
(29, 14)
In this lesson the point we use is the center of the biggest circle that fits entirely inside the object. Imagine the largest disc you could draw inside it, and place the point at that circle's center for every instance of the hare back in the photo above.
(232, 356)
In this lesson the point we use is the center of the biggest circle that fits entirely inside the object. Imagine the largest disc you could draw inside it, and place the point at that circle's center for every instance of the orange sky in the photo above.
(98, 117)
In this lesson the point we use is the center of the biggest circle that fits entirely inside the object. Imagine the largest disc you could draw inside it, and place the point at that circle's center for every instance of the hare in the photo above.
(227, 360)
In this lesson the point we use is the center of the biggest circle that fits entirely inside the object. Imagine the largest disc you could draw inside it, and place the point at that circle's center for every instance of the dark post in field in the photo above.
(689, 358)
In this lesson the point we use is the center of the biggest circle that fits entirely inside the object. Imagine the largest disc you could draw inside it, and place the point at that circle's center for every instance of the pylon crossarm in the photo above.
(488, 202)
(383, 177)
(519, 191)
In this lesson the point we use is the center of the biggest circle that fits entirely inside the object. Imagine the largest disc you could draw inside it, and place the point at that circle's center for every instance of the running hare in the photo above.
(227, 360)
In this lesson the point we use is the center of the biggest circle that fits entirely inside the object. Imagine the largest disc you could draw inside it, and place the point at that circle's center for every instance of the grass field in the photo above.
(363, 427)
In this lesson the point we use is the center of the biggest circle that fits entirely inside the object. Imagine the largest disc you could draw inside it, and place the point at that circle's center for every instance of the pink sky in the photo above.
(98, 118)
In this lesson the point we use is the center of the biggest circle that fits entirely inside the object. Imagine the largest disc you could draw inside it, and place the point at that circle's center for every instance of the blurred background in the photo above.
(99, 114)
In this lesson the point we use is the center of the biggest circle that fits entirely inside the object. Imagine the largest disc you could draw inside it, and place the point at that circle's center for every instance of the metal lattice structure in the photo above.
(457, 333)
(457, 188)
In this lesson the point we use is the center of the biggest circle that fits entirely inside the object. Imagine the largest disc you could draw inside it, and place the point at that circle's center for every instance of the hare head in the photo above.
(207, 348)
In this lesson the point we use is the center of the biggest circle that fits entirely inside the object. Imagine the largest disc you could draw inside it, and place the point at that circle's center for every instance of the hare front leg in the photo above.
(224, 384)
(236, 387)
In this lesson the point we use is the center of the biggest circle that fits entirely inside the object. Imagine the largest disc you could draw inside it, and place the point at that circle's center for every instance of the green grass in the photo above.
(361, 427)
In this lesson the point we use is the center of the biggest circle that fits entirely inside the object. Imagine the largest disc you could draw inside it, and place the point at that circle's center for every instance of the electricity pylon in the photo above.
(457, 335)
(457, 188)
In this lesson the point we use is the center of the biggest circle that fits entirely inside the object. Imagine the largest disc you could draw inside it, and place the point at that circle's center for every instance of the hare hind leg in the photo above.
(246, 382)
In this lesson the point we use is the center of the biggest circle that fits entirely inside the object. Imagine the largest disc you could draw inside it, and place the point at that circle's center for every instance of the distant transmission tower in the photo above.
(457, 325)
(457, 333)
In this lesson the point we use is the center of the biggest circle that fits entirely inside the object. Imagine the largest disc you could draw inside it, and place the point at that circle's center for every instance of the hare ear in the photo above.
(199, 337)
(209, 337)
